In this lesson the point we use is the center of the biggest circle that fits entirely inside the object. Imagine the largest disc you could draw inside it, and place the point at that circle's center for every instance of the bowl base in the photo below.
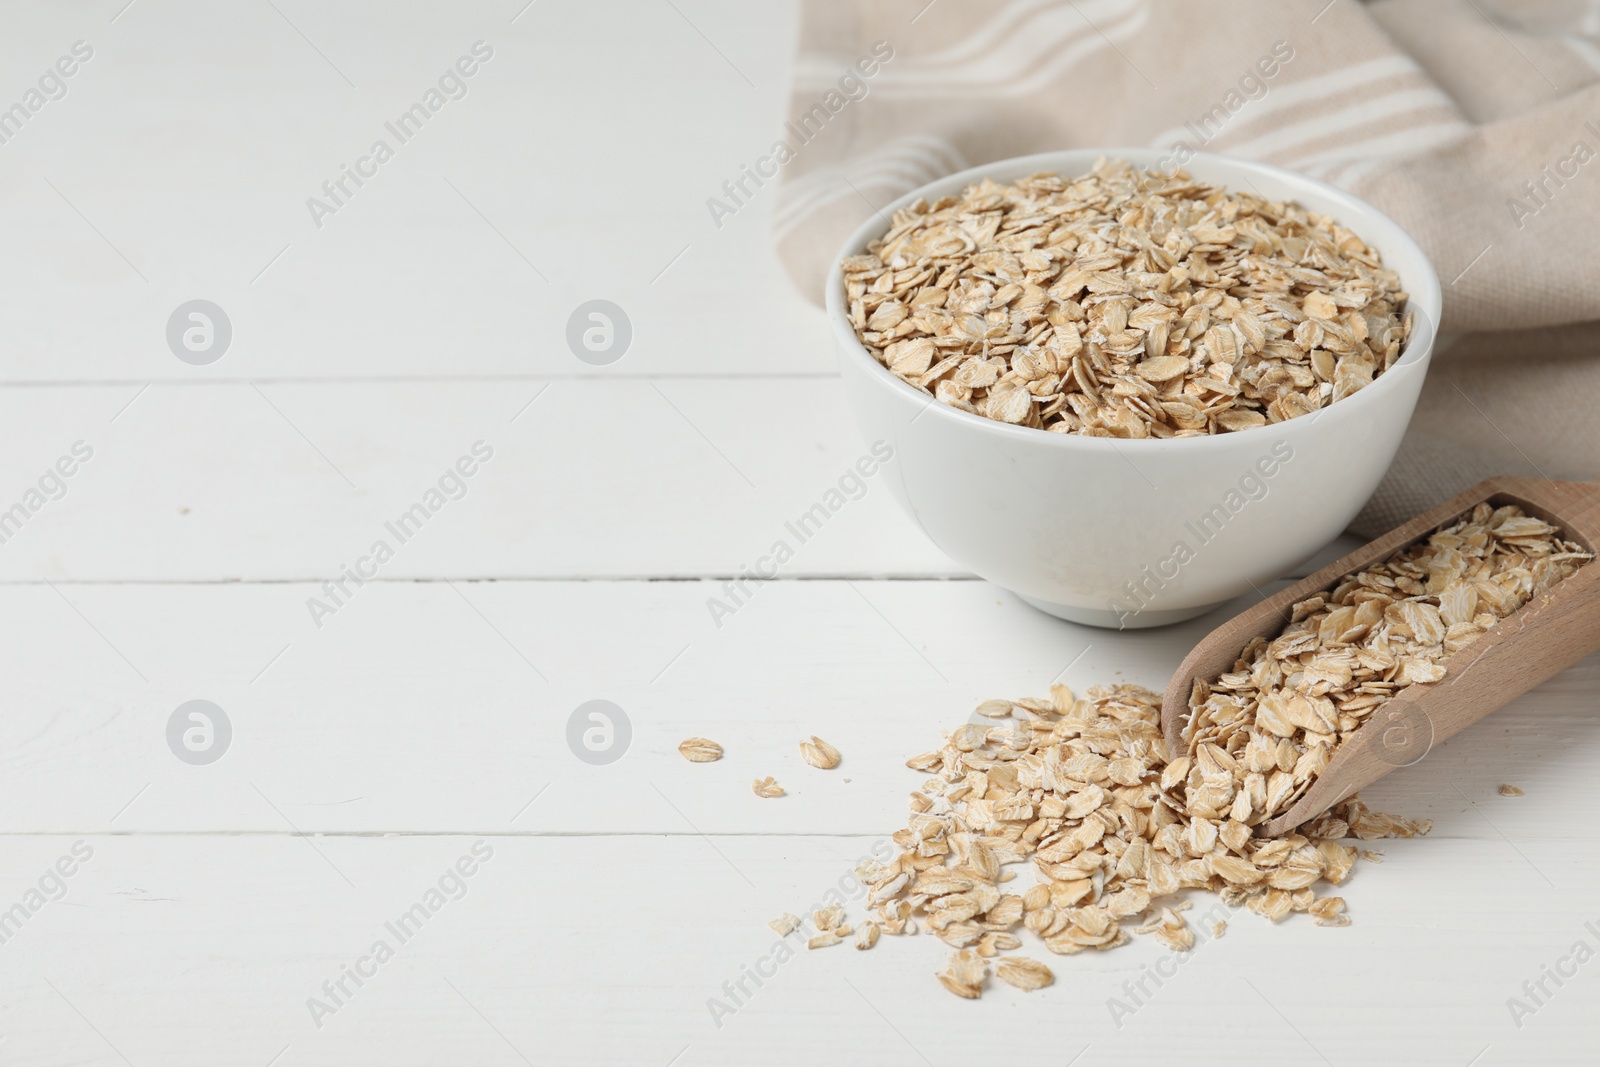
(1112, 620)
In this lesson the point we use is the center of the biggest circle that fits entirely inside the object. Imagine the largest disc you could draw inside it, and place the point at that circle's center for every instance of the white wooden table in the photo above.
(424, 722)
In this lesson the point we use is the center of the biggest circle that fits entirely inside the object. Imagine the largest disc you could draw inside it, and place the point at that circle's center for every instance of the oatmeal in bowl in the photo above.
(1129, 395)
(1125, 303)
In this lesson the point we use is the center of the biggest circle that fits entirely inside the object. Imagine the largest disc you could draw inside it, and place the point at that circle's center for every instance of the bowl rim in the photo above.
(1424, 292)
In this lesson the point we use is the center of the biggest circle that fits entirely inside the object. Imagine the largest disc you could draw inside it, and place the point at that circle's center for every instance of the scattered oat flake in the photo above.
(1329, 911)
(1024, 973)
(824, 939)
(700, 750)
(964, 974)
(819, 753)
(1511, 791)
(766, 787)
(867, 934)
(785, 924)
(971, 992)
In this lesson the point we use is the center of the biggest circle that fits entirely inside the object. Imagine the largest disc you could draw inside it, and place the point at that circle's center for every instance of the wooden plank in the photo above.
(610, 951)
(464, 255)
(276, 482)
(439, 707)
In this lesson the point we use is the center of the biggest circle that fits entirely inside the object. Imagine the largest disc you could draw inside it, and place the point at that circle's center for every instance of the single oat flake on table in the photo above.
(700, 750)
(819, 753)
(1081, 789)
(785, 924)
(1125, 303)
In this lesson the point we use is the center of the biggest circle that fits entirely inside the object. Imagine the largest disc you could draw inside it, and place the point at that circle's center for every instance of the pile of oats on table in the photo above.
(1125, 303)
(1080, 788)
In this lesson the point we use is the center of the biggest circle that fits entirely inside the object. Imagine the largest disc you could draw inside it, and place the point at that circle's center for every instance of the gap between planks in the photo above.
(426, 379)
(820, 834)
(619, 579)
(319, 579)
(1434, 835)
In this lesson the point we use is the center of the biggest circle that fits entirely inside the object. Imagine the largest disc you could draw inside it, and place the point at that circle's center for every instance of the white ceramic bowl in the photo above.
(1140, 533)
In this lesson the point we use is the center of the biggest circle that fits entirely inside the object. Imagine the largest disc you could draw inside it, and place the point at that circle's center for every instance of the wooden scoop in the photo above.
(1539, 640)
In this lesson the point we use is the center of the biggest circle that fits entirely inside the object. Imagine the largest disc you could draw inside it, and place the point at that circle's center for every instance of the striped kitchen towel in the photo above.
(1475, 123)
